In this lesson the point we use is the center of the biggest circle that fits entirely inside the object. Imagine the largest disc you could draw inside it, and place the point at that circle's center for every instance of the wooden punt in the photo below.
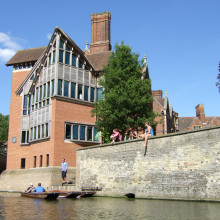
(87, 194)
(67, 194)
(74, 194)
(43, 195)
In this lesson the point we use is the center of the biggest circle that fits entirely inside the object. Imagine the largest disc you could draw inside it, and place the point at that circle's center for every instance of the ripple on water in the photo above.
(13, 206)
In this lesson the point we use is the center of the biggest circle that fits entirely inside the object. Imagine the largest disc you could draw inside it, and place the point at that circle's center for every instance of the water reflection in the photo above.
(13, 206)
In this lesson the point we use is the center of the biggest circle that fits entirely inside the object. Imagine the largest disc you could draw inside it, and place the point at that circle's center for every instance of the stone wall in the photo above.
(182, 166)
(19, 180)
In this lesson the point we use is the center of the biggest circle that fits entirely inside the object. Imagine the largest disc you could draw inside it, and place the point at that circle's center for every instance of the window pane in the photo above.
(99, 93)
(59, 89)
(36, 94)
(25, 101)
(96, 135)
(33, 97)
(47, 130)
(82, 132)
(67, 58)
(50, 59)
(61, 56)
(75, 132)
(52, 87)
(89, 133)
(39, 131)
(23, 137)
(41, 160)
(68, 131)
(73, 89)
(86, 93)
(66, 88)
(35, 132)
(73, 60)
(35, 161)
(31, 133)
(44, 96)
(80, 64)
(40, 92)
(61, 43)
(48, 89)
(24, 112)
(67, 48)
(54, 56)
(27, 139)
(42, 131)
(92, 93)
(79, 91)
(22, 163)
(48, 160)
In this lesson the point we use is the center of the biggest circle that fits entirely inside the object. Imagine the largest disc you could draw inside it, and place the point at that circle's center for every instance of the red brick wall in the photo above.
(14, 150)
(100, 35)
(70, 112)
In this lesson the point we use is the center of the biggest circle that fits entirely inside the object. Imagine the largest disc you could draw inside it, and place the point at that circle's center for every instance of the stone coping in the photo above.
(150, 137)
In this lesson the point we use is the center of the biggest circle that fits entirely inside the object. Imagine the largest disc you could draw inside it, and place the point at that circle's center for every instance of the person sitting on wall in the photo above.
(39, 188)
(115, 136)
(30, 188)
(133, 134)
(148, 132)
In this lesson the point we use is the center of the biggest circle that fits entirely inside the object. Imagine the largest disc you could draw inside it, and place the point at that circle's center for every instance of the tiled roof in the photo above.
(99, 60)
(185, 122)
(28, 55)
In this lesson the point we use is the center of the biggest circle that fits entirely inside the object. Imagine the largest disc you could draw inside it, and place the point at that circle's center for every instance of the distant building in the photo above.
(168, 118)
(200, 121)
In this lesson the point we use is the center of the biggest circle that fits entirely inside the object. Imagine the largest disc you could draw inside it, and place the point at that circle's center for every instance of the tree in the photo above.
(4, 122)
(218, 78)
(127, 101)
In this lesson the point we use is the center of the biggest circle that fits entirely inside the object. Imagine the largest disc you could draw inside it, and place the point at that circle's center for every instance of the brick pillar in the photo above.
(100, 41)
(200, 113)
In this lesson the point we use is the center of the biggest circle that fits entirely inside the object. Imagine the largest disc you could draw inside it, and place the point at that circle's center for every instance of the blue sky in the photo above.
(181, 40)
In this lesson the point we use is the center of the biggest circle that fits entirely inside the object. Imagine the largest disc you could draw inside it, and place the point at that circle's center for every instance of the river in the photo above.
(13, 207)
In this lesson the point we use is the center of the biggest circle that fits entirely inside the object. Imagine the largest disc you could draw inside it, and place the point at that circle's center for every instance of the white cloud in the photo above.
(8, 47)
(6, 54)
(49, 36)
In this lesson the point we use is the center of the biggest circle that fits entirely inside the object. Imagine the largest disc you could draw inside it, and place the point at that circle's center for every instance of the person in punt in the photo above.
(30, 188)
(39, 189)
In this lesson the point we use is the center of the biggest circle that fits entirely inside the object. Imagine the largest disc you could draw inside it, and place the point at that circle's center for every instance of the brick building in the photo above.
(168, 118)
(53, 92)
(200, 121)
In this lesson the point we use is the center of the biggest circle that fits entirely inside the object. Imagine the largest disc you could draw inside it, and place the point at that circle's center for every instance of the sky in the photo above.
(181, 39)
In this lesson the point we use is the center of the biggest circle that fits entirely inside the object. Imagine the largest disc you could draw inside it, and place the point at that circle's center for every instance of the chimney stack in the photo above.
(200, 113)
(100, 23)
(157, 94)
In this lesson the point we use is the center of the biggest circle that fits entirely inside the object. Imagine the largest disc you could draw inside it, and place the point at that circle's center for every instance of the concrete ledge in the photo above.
(19, 180)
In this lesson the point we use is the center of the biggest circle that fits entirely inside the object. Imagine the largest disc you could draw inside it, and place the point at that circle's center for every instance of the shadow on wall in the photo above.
(3, 159)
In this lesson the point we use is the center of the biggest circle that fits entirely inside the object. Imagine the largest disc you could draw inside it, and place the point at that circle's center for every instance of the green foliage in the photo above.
(4, 123)
(127, 100)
